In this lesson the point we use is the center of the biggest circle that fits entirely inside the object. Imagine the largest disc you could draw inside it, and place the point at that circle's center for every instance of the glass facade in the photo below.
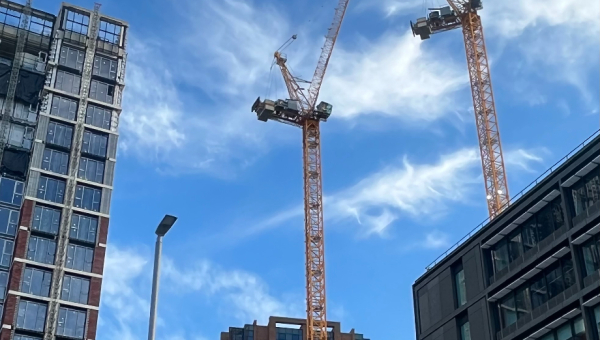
(460, 286)
(586, 192)
(591, 255)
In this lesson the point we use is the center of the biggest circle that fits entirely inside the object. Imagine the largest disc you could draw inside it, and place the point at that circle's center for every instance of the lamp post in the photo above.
(162, 229)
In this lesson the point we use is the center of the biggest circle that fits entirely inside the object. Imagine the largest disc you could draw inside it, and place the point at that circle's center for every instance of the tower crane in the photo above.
(464, 13)
(300, 110)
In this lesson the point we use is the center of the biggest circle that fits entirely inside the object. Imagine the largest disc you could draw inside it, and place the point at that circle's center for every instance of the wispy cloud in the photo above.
(524, 159)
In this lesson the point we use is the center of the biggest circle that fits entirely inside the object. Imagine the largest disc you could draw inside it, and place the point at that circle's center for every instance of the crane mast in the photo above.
(300, 110)
(463, 13)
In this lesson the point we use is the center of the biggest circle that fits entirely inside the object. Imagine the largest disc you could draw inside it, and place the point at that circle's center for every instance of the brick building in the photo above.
(61, 84)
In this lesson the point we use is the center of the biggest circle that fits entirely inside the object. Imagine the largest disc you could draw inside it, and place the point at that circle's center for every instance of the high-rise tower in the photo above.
(61, 85)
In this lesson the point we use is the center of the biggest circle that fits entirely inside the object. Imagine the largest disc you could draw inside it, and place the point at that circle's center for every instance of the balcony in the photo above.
(592, 212)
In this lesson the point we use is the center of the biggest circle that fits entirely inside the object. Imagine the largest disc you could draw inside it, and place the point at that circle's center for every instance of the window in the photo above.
(597, 317)
(67, 82)
(3, 284)
(465, 328)
(46, 219)
(64, 107)
(459, 285)
(554, 280)
(91, 170)
(500, 256)
(10, 17)
(75, 289)
(77, 22)
(586, 192)
(36, 282)
(19, 135)
(289, 333)
(109, 32)
(55, 161)
(11, 191)
(564, 332)
(31, 315)
(87, 197)
(568, 272)
(579, 326)
(71, 322)
(102, 91)
(25, 112)
(40, 26)
(94, 144)
(539, 292)
(41, 250)
(25, 337)
(59, 134)
(522, 302)
(80, 257)
(51, 189)
(98, 116)
(591, 255)
(508, 312)
(105, 67)
(8, 221)
(83, 228)
(6, 251)
(71, 57)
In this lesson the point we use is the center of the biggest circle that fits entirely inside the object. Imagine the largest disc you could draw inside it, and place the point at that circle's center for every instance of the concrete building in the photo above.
(61, 84)
(280, 328)
(531, 273)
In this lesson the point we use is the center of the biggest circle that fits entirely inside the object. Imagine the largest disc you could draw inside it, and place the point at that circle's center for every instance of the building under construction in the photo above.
(280, 328)
(61, 84)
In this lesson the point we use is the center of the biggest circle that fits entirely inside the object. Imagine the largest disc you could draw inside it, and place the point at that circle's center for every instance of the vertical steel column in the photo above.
(155, 284)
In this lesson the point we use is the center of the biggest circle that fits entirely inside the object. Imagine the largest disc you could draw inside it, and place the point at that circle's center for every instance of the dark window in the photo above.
(71, 57)
(568, 272)
(19, 136)
(6, 251)
(545, 222)
(75, 289)
(539, 291)
(67, 82)
(94, 144)
(522, 302)
(105, 67)
(11, 191)
(102, 91)
(515, 246)
(98, 116)
(597, 319)
(46, 219)
(41, 250)
(530, 238)
(64, 107)
(508, 311)
(36, 282)
(459, 285)
(83, 228)
(288, 333)
(87, 197)
(586, 192)
(91, 170)
(3, 284)
(80, 257)
(465, 328)
(59, 134)
(31, 315)
(77, 22)
(51, 189)
(9, 219)
(25, 337)
(55, 161)
(109, 32)
(554, 280)
(564, 332)
(500, 256)
(591, 255)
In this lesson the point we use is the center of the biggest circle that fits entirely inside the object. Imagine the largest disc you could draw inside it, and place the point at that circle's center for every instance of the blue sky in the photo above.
(401, 170)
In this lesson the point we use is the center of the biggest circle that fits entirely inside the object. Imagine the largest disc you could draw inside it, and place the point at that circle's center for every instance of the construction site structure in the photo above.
(281, 328)
(301, 110)
(463, 13)
(61, 84)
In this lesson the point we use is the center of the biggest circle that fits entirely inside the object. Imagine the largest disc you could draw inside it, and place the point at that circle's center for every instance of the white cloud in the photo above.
(436, 240)
(244, 293)
(393, 76)
(524, 159)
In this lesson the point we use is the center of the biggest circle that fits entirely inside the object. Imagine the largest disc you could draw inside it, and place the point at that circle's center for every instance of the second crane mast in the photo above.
(463, 13)
(300, 111)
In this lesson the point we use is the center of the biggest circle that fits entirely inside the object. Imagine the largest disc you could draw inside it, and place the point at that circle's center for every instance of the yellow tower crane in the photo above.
(300, 110)
(464, 13)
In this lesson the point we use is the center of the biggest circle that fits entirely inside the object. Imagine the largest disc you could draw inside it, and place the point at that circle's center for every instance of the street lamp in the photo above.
(162, 229)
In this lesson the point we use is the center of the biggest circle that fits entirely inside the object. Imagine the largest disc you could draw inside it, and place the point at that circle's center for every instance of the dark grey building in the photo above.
(531, 273)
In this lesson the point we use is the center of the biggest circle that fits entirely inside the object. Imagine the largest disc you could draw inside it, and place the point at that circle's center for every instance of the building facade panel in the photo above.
(532, 269)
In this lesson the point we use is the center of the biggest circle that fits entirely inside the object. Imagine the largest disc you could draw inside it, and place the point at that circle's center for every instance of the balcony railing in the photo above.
(591, 212)
(515, 199)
